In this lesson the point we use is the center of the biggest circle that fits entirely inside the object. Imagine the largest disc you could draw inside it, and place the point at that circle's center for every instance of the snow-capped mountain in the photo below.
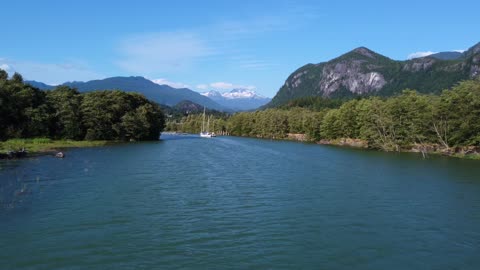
(212, 94)
(238, 99)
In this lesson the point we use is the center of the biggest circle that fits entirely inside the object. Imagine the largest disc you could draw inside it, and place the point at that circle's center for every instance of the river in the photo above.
(238, 203)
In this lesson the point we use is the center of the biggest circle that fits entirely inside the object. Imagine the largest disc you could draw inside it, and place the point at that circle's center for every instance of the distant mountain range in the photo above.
(235, 100)
(162, 94)
(365, 72)
(238, 99)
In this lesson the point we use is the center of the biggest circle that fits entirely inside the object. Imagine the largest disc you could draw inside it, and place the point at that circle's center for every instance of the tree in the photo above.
(17, 78)
(457, 116)
(3, 75)
(66, 103)
(411, 115)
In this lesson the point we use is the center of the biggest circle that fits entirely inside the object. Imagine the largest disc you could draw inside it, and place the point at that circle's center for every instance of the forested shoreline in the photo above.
(66, 114)
(446, 123)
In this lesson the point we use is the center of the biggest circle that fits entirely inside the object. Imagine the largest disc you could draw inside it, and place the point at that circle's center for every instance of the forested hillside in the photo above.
(64, 113)
(363, 72)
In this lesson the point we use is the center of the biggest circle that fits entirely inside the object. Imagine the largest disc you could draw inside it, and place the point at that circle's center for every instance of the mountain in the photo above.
(162, 94)
(365, 72)
(40, 85)
(238, 99)
(188, 107)
(447, 55)
(185, 108)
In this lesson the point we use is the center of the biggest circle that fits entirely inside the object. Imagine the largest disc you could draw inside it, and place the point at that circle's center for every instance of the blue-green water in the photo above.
(228, 202)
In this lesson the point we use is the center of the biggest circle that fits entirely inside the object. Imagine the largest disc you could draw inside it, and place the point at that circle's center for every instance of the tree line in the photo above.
(192, 123)
(64, 113)
(450, 119)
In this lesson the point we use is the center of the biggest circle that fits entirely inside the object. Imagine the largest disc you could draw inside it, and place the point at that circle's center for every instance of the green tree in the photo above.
(66, 103)
(457, 116)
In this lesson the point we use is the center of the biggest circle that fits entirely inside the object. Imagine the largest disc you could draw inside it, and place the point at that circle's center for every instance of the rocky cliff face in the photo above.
(364, 72)
(351, 77)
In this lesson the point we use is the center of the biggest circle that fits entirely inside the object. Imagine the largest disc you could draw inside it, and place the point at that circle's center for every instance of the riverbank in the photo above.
(467, 152)
(41, 146)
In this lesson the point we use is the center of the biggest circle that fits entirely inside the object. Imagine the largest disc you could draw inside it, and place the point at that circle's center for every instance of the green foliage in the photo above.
(23, 109)
(460, 109)
(64, 113)
(17, 78)
(117, 115)
(66, 103)
(314, 103)
(3, 75)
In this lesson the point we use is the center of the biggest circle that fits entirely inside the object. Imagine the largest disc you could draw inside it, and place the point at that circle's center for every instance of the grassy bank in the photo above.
(44, 145)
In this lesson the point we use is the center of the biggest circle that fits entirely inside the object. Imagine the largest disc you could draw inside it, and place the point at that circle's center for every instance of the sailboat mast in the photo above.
(203, 122)
(208, 124)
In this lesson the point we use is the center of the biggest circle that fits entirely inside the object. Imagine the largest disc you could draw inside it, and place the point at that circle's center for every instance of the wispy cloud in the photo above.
(159, 52)
(51, 73)
(236, 30)
(181, 49)
(162, 81)
(419, 54)
(252, 63)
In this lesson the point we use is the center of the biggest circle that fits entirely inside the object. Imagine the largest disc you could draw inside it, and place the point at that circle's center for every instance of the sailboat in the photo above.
(204, 133)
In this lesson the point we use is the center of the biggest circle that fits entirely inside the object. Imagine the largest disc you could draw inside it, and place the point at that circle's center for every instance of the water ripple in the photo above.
(238, 203)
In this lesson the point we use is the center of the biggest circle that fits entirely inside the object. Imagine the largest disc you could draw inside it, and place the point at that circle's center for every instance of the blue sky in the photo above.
(219, 45)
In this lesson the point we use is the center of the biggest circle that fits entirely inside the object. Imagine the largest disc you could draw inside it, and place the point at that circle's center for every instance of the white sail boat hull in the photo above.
(205, 133)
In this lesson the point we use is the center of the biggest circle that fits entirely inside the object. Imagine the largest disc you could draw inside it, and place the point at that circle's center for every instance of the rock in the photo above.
(297, 137)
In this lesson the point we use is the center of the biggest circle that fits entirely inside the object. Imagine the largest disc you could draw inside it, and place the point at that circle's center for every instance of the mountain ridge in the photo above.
(162, 94)
(362, 71)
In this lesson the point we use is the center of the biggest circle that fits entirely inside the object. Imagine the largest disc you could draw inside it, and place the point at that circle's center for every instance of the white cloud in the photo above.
(51, 73)
(460, 51)
(162, 81)
(5, 67)
(229, 86)
(162, 52)
(202, 86)
(419, 54)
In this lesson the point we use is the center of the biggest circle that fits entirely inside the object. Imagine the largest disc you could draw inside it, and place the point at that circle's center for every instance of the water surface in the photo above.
(226, 202)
